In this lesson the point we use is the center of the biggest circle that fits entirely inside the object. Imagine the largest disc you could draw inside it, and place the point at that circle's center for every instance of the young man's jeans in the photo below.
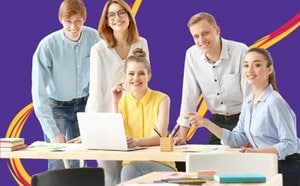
(64, 113)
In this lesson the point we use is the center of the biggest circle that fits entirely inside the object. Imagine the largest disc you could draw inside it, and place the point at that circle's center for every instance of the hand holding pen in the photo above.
(247, 147)
(176, 134)
(183, 131)
(195, 119)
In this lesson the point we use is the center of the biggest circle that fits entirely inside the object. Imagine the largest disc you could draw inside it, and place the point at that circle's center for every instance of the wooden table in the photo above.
(275, 180)
(76, 151)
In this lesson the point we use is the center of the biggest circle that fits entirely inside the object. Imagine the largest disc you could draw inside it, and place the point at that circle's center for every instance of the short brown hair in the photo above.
(200, 16)
(69, 8)
(106, 32)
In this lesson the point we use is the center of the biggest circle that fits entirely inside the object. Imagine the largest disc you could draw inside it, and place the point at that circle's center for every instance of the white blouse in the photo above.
(107, 69)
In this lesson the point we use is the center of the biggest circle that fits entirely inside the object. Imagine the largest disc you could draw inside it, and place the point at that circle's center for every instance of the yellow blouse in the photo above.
(140, 115)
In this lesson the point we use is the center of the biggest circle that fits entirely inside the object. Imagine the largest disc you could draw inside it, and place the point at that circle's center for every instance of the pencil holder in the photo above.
(166, 144)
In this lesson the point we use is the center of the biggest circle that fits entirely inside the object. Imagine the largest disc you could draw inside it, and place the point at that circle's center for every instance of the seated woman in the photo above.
(142, 110)
(266, 119)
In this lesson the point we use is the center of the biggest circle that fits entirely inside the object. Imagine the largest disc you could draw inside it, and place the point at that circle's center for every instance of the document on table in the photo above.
(204, 149)
(44, 146)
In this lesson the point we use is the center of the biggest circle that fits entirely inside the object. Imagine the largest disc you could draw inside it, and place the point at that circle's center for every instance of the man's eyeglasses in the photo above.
(113, 15)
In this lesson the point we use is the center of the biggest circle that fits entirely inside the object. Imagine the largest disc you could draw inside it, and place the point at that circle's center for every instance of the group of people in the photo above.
(79, 69)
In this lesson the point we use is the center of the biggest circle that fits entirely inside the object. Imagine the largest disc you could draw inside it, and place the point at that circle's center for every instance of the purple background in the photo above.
(163, 24)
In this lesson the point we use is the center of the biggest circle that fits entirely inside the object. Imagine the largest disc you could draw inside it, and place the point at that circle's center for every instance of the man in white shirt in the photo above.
(212, 68)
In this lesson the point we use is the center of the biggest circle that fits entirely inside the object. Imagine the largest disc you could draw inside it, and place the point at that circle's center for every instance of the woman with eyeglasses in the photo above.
(118, 29)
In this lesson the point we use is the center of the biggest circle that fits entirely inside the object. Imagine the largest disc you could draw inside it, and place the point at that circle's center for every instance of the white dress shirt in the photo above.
(220, 83)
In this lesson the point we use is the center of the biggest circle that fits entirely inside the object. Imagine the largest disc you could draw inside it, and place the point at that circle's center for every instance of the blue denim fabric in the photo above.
(64, 114)
(139, 168)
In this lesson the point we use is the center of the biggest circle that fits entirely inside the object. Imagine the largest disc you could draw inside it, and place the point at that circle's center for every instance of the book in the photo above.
(152, 184)
(188, 181)
(8, 149)
(240, 178)
(10, 144)
(187, 178)
(11, 140)
(206, 174)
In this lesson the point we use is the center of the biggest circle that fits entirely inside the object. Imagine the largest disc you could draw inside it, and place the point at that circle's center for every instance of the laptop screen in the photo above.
(102, 131)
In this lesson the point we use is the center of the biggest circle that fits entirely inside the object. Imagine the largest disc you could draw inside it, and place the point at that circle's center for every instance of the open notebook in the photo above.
(103, 131)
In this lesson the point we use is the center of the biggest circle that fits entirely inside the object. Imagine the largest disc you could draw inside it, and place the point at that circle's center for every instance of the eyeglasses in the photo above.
(113, 15)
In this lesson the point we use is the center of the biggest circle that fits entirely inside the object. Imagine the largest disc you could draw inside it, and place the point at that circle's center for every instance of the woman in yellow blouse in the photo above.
(142, 110)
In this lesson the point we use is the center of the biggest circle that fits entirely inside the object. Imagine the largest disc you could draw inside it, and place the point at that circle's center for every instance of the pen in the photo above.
(156, 131)
(174, 130)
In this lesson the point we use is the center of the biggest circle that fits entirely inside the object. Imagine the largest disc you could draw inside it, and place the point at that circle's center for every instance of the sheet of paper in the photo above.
(44, 146)
(204, 149)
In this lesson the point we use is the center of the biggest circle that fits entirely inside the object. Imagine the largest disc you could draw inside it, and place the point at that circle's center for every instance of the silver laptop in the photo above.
(103, 131)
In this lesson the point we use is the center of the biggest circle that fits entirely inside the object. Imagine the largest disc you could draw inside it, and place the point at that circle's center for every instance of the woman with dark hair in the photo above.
(266, 119)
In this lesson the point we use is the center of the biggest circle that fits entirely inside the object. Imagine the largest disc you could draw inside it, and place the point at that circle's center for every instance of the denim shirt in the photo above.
(60, 70)
(270, 122)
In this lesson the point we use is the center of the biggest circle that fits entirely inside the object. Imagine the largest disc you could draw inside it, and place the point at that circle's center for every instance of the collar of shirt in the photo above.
(144, 100)
(70, 42)
(224, 53)
(263, 96)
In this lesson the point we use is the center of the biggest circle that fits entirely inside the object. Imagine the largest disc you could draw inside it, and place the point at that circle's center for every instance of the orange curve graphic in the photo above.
(265, 42)
(15, 166)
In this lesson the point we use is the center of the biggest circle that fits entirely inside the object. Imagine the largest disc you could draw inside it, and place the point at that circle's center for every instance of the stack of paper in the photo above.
(12, 144)
(206, 174)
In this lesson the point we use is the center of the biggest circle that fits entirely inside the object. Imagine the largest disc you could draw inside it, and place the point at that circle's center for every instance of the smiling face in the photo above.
(120, 21)
(206, 36)
(257, 70)
(137, 77)
(72, 26)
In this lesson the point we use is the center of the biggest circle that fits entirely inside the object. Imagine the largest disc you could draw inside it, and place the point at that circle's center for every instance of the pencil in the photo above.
(174, 130)
(157, 132)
